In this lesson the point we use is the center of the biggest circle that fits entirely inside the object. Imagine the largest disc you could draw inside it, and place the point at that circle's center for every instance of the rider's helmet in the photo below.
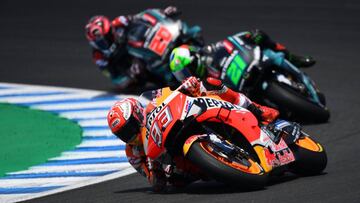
(125, 119)
(185, 62)
(98, 32)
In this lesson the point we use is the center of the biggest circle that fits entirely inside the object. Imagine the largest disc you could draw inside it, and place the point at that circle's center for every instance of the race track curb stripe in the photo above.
(99, 157)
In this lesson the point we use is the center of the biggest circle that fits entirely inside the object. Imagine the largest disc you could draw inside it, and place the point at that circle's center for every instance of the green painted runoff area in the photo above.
(30, 137)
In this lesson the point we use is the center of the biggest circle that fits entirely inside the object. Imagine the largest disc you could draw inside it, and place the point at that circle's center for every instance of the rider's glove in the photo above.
(171, 11)
(259, 37)
(191, 86)
(157, 178)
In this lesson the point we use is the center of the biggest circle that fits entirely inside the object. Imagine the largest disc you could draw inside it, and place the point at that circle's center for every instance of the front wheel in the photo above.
(310, 157)
(240, 169)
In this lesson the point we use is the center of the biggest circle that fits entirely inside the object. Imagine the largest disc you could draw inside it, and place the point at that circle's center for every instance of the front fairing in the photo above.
(175, 106)
(153, 42)
(160, 121)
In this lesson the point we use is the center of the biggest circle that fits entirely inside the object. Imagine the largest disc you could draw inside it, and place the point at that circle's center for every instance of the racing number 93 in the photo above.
(160, 124)
(160, 41)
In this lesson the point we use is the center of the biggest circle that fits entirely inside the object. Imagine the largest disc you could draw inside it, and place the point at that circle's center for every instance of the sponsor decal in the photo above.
(126, 109)
(187, 106)
(153, 114)
(188, 143)
(160, 41)
(228, 46)
(160, 124)
(214, 103)
(149, 18)
(159, 121)
(115, 123)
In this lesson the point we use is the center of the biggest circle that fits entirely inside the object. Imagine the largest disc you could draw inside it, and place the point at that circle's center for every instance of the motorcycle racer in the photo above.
(115, 44)
(209, 61)
(127, 119)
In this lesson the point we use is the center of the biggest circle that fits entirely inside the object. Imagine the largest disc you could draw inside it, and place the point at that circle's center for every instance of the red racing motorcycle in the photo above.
(225, 142)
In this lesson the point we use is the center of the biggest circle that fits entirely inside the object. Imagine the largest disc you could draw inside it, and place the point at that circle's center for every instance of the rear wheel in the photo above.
(297, 104)
(310, 157)
(239, 169)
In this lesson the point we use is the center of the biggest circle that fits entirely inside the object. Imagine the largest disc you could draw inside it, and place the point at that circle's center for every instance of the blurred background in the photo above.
(43, 42)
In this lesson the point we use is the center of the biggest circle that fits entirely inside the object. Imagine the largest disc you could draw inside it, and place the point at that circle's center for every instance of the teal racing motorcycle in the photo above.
(263, 75)
(267, 77)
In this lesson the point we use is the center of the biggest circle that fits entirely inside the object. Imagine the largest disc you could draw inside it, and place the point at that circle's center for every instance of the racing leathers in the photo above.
(158, 173)
(125, 61)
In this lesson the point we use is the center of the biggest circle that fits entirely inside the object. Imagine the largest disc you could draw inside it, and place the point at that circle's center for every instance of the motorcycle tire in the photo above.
(299, 106)
(310, 157)
(226, 172)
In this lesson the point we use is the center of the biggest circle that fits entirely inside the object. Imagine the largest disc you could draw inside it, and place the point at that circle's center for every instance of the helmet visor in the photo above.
(102, 43)
(129, 131)
(182, 74)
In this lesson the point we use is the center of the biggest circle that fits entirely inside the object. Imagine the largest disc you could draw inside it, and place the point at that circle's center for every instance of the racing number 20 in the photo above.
(160, 41)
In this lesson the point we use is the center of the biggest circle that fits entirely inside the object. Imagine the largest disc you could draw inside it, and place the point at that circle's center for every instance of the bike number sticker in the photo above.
(235, 69)
(160, 41)
(159, 126)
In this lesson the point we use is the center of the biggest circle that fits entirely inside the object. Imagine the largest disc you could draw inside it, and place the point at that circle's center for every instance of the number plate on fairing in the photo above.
(161, 37)
(160, 41)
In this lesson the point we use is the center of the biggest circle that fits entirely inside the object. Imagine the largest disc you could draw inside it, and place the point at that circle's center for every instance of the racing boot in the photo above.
(262, 39)
(300, 61)
(263, 113)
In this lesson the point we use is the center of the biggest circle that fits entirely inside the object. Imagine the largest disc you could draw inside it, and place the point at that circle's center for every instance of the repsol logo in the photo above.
(153, 114)
(214, 103)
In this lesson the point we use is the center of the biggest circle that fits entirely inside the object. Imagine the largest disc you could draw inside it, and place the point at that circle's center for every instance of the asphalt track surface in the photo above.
(43, 43)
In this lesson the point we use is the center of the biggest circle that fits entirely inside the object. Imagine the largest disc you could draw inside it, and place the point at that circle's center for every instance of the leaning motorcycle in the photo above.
(260, 76)
(152, 37)
(225, 142)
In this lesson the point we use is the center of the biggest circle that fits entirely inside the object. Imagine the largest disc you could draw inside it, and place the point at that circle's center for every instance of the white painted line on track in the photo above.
(83, 167)
(97, 133)
(94, 122)
(22, 100)
(82, 155)
(101, 143)
(84, 115)
(122, 173)
(74, 106)
(25, 91)
(44, 182)
(80, 167)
